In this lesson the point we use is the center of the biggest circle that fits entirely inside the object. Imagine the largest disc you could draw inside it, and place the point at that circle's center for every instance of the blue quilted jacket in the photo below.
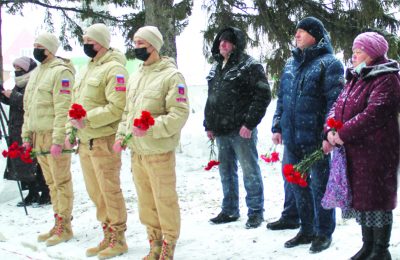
(311, 81)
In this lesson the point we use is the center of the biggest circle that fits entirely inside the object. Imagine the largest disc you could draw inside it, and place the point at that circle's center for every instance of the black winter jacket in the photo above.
(238, 94)
(19, 170)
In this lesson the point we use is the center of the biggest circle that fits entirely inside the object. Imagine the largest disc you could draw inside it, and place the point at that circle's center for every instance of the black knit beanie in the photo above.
(313, 26)
(229, 36)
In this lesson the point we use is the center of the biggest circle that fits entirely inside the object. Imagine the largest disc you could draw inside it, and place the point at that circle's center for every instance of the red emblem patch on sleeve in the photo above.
(65, 91)
(181, 99)
(120, 88)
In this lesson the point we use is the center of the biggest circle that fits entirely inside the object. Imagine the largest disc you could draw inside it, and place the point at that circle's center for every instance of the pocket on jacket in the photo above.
(92, 89)
(153, 102)
(44, 95)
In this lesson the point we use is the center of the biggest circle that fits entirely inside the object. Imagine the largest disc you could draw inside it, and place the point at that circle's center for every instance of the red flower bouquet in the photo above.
(334, 124)
(271, 156)
(14, 151)
(144, 122)
(298, 173)
(26, 155)
(213, 157)
(76, 112)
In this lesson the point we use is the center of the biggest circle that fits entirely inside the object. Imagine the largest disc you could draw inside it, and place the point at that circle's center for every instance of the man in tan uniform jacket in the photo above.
(46, 103)
(160, 89)
(101, 88)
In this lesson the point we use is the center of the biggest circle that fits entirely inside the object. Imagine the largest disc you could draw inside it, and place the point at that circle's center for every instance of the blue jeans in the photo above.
(289, 213)
(231, 148)
(314, 218)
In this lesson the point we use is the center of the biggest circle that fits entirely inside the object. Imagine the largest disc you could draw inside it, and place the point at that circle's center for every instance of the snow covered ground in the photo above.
(200, 195)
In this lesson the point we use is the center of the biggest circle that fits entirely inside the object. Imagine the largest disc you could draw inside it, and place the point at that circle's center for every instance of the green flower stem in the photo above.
(72, 136)
(213, 154)
(126, 140)
(35, 154)
(304, 165)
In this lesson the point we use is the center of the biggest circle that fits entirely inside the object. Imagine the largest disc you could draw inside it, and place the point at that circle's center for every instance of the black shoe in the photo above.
(320, 243)
(32, 197)
(254, 221)
(368, 245)
(223, 218)
(381, 243)
(299, 239)
(44, 199)
(281, 225)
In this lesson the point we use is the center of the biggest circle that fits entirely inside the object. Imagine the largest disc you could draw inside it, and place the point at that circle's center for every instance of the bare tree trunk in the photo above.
(160, 13)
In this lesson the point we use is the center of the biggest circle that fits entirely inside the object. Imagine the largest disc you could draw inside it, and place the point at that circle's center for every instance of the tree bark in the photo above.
(159, 13)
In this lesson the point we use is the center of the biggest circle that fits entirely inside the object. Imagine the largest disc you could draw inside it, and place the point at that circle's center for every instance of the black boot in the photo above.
(32, 197)
(367, 238)
(381, 243)
(45, 198)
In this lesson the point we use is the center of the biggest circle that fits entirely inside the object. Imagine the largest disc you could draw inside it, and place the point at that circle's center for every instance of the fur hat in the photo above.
(99, 33)
(49, 41)
(152, 35)
(371, 43)
(229, 36)
(313, 26)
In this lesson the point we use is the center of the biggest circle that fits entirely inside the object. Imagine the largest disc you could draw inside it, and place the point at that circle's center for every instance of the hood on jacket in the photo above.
(380, 66)
(324, 46)
(163, 63)
(112, 55)
(240, 43)
(59, 61)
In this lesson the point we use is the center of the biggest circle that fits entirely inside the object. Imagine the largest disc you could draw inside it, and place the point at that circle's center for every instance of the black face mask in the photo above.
(19, 73)
(39, 55)
(142, 54)
(89, 50)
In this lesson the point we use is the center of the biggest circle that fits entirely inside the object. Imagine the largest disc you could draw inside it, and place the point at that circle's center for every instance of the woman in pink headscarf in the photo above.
(368, 107)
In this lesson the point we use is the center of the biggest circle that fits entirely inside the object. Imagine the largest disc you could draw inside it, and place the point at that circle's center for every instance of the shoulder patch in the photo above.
(120, 79)
(181, 89)
(65, 83)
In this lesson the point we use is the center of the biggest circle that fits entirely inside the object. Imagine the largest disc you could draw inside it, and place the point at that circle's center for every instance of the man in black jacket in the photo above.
(238, 96)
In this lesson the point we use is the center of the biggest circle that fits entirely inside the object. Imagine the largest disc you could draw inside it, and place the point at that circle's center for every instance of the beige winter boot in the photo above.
(62, 232)
(43, 237)
(155, 250)
(116, 246)
(102, 245)
(167, 250)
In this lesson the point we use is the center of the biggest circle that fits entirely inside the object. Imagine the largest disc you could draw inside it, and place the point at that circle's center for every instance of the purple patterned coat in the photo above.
(368, 106)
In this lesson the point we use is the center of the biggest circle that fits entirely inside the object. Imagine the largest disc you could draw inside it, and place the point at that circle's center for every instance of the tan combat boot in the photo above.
(62, 233)
(167, 250)
(43, 237)
(116, 246)
(103, 244)
(155, 250)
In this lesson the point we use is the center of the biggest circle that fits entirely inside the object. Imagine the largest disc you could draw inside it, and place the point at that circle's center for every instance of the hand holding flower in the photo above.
(327, 147)
(338, 140)
(117, 147)
(277, 138)
(210, 135)
(55, 150)
(139, 132)
(78, 123)
(26, 145)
